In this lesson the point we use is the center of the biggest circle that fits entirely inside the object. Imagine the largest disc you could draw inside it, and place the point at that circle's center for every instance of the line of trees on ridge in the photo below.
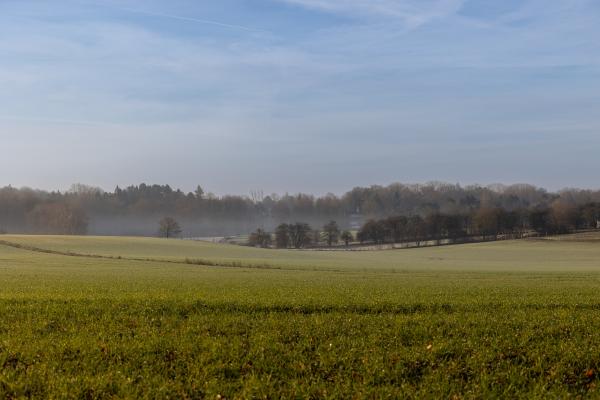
(300, 235)
(135, 209)
(484, 223)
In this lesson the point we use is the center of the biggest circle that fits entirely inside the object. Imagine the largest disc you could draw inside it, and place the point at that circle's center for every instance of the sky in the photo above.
(299, 95)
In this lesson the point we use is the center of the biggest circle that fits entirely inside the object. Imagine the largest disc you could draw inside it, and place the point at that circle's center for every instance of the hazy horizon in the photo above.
(309, 96)
(343, 191)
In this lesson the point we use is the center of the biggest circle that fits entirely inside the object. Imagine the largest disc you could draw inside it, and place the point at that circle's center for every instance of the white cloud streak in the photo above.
(402, 78)
(190, 19)
(413, 13)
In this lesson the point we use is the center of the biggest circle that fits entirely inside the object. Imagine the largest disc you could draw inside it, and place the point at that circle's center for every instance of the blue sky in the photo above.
(299, 95)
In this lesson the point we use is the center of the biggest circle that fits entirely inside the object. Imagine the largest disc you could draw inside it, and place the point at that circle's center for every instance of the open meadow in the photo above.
(108, 317)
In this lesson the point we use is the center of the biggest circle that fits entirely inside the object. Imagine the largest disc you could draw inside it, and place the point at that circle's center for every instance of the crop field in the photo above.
(104, 317)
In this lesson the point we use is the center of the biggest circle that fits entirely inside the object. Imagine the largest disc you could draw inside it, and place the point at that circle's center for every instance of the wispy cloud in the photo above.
(413, 13)
(402, 78)
(190, 19)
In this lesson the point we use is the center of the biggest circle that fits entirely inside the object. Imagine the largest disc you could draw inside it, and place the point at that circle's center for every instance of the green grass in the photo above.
(506, 319)
(510, 256)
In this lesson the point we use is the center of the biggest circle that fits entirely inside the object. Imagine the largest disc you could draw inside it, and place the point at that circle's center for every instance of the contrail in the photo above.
(182, 18)
(197, 20)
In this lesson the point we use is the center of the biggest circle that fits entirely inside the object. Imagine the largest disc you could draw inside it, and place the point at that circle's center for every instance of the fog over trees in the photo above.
(482, 224)
(135, 210)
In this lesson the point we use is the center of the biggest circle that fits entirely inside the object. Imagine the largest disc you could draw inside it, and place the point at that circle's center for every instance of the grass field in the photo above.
(505, 319)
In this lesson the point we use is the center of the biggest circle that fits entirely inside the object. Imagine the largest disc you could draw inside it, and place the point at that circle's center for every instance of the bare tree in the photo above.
(299, 234)
(282, 236)
(332, 232)
(564, 216)
(260, 238)
(416, 229)
(58, 218)
(168, 228)
(347, 237)
(487, 222)
(373, 231)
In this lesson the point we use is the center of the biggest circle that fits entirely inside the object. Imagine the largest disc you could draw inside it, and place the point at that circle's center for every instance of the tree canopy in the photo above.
(135, 209)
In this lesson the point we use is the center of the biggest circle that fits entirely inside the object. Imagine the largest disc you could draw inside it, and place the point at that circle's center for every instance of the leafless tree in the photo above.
(347, 237)
(168, 227)
(332, 232)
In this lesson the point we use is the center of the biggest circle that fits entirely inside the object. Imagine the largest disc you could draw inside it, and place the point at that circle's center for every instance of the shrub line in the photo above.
(187, 261)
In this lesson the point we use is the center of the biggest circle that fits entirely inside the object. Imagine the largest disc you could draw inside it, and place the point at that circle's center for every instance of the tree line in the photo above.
(135, 209)
(300, 235)
(484, 224)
